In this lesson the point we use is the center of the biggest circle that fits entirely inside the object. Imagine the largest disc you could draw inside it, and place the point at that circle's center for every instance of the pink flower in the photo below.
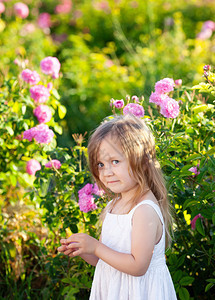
(39, 93)
(134, 109)
(27, 29)
(44, 20)
(193, 221)
(208, 25)
(206, 67)
(41, 133)
(194, 170)
(86, 199)
(43, 113)
(54, 163)
(178, 82)
(135, 99)
(204, 34)
(33, 166)
(102, 5)
(64, 7)
(97, 191)
(118, 103)
(2, 7)
(31, 77)
(165, 85)
(21, 10)
(50, 66)
(169, 108)
(157, 98)
(50, 86)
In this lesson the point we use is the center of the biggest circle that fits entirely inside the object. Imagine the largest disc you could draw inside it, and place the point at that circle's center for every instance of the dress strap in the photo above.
(151, 203)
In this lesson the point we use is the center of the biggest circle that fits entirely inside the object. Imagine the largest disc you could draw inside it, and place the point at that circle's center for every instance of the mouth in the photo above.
(113, 181)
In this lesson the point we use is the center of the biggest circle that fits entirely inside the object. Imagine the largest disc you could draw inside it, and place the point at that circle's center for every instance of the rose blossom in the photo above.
(133, 108)
(169, 108)
(86, 199)
(32, 166)
(31, 77)
(2, 7)
(54, 163)
(194, 170)
(50, 66)
(178, 82)
(157, 98)
(44, 20)
(39, 93)
(118, 103)
(193, 221)
(135, 99)
(64, 7)
(165, 85)
(206, 67)
(41, 133)
(21, 10)
(43, 113)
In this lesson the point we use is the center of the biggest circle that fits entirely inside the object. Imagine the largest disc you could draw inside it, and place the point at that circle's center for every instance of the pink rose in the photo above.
(39, 93)
(50, 86)
(134, 109)
(157, 98)
(2, 7)
(135, 99)
(208, 25)
(64, 7)
(194, 170)
(178, 82)
(86, 199)
(165, 85)
(43, 113)
(118, 103)
(44, 20)
(41, 133)
(169, 108)
(54, 163)
(193, 221)
(33, 166)
(31, 77)
(21, 10)
(50, 66)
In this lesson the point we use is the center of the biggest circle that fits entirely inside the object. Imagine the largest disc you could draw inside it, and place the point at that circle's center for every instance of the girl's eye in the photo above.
(100, 165)
(115, 162)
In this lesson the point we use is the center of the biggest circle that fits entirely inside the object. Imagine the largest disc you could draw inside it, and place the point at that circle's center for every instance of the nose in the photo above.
(107, 170)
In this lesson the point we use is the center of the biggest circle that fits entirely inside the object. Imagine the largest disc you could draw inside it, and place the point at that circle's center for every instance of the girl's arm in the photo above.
(144, 237)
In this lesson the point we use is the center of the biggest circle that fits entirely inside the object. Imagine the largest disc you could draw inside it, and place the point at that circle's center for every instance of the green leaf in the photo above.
(61, 111)
(184, 294)
(200, 227)
(180, 185)
(194, 157)
(213, 218)
(209, 286)
(186, 280)
(211, 151)
(9, 130)
(55, 94)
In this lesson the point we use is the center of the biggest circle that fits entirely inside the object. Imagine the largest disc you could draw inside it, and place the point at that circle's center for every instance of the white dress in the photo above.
(111, 284)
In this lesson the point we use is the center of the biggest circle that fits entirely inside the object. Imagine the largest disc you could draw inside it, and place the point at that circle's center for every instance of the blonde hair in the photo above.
(138, 145)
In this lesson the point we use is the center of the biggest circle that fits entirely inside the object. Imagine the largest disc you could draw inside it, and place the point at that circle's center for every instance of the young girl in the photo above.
(129, 257)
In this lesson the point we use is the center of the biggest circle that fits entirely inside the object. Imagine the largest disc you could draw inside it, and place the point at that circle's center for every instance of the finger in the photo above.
(62, 248)
(64, 241)
(72, 245)
(76, 252)
(68, 252)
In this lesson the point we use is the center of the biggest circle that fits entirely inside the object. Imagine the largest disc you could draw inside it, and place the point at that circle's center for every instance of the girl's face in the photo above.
(113, 168)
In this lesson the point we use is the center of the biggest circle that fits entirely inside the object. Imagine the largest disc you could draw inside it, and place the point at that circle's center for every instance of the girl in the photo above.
(129, 257)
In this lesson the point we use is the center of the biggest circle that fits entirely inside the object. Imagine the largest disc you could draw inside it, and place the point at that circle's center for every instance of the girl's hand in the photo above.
(78, 244)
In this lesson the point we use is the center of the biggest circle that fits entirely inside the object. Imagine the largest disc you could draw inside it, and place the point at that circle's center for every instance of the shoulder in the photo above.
(146, 213)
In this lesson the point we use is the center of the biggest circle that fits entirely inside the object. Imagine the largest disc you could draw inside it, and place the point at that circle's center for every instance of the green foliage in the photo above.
(104, 52)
